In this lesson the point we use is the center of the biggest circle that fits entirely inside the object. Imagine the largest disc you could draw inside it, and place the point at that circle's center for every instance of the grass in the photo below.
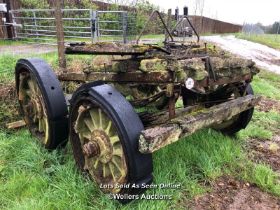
(28, 41)
(8, 63)
(267, 84)
(30, 175)
(271, 40)
(10, 42)
(33, 178)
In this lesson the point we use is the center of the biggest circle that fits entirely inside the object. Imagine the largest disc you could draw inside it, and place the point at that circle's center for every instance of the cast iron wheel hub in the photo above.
(91, 149)
(104, 145)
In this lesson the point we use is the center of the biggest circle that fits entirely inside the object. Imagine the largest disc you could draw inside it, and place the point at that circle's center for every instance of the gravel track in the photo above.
(265, 57)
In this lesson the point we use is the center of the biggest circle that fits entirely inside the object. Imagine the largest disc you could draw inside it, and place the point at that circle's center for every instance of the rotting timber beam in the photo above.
(153, 139)
(220, 81)
(139, 77)
(143, 77)
(158, 118)
(108, 48)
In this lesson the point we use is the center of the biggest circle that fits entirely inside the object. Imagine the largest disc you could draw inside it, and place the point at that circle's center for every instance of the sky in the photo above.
(233, 11)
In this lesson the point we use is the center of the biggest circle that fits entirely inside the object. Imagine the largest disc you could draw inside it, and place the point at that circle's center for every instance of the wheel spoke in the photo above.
(96, 163)
(21, 94)
(28, 92)
(81, 139)
(34, 117)
(108, 127)
(31, 86)
(114, 161)
(93, 116)
(41, 125)
(118, 152)
(112, 171)
(86, 164)
(89, 124)
(37, 89)
(114, 139)
(100, 118)
(87, 135)
(22, 91)
(104, 170)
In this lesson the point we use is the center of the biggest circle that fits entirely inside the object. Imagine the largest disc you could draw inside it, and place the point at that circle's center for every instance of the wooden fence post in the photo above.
(168, 22)
(60, 35)
(9, 27)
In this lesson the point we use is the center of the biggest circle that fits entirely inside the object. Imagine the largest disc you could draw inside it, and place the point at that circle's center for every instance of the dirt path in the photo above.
(264, 56)
(232, 194)
(26, 49)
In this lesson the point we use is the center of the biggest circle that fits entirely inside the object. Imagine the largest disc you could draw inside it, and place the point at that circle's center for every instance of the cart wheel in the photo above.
(241, 120)
(42, 102)
(104, 134)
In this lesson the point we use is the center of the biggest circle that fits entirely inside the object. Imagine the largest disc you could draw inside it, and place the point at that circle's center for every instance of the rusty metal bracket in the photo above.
(193, 28)
(210, 69)
(149, 20)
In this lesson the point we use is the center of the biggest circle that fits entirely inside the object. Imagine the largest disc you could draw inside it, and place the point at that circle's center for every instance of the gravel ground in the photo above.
(26, 49)
(265, 57)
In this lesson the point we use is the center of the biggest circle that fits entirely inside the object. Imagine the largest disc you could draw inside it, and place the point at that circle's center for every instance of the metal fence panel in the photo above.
(38, 25)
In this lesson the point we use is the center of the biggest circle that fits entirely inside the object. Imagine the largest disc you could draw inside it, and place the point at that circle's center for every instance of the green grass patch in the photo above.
(263, 176)
(267, 84)
(8, 63)
(262, 126)
(31, 176)
(270, 40)
(10, 42)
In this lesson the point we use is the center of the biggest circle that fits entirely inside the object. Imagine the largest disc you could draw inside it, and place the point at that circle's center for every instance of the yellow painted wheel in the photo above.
(102, 148)
(104, 133)
(32, 103)
(42, 102)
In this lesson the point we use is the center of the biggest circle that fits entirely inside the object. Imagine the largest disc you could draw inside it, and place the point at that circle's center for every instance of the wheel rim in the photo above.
(101, 145)
(32, 103)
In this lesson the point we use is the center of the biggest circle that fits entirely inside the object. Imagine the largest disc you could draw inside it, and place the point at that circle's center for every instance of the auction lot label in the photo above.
(140, 197)
(153, 196)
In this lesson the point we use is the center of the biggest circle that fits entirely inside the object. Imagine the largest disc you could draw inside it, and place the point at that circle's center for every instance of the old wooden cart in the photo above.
(125, 108)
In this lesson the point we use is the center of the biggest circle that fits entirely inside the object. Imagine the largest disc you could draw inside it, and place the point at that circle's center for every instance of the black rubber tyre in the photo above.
(243, 118)
(36, 74)
(88, 101)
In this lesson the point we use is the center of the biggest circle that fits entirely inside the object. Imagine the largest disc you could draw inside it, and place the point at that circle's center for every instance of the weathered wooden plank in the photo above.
(16, 124)
(159, 118)
(108, 48)
(149, 77)
(157, 137)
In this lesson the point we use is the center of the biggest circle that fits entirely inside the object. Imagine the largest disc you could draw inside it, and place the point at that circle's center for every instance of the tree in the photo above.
(199, 7)
(275, 28)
